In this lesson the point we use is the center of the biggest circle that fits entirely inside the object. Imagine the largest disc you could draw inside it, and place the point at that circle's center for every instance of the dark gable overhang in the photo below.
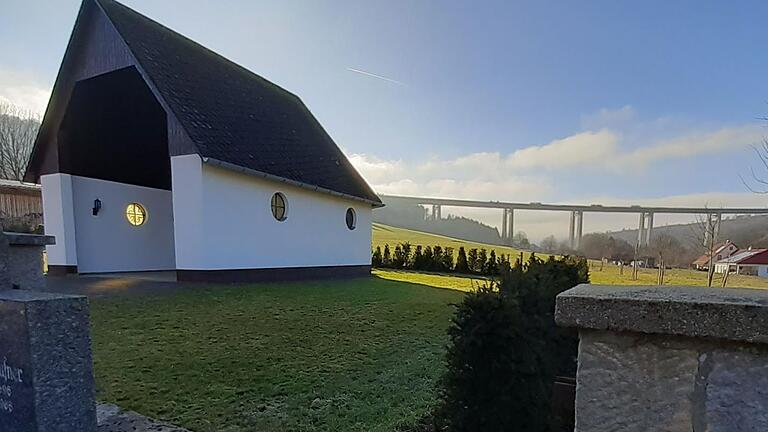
(227, 113)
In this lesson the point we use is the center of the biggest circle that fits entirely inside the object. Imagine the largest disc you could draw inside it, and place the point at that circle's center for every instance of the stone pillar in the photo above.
(21, 260)
(669, 358)
(46, 371)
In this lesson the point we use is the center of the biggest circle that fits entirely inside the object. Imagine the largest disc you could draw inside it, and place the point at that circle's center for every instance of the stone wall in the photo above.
(669, 358)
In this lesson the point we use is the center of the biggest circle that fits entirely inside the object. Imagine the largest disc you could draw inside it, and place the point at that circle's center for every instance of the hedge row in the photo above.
(440, 259)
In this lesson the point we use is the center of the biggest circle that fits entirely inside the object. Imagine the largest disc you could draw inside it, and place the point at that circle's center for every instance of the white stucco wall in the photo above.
(107, 242)
(762, 271)
(59, 218)
(223, 220)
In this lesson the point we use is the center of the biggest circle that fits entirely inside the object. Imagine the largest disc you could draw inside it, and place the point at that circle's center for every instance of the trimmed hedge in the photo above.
(439, 259)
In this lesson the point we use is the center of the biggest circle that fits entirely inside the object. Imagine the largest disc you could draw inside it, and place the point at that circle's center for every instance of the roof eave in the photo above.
(255, 173)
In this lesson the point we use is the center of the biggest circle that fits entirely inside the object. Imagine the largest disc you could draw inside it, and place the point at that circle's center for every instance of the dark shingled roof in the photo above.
(234, 115)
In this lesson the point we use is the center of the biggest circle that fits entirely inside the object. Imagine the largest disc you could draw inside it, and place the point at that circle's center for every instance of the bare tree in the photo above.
(549, 244)
(758, 183)
(704, 234)
(664, 246)
(18, 129)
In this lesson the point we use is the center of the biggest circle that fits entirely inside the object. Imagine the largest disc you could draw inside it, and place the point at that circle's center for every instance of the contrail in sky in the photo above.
(374, 75)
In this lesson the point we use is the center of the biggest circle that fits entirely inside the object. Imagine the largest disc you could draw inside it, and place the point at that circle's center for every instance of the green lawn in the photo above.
(607, 274)
(360, 355)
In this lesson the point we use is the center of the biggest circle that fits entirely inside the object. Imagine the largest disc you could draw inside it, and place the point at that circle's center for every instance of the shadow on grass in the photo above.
(437, 280)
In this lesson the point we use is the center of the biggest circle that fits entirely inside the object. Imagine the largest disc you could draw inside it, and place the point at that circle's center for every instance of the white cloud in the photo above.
(22, 91)
(476, 176)
(581, 149)
(603, 149)
(694, 144)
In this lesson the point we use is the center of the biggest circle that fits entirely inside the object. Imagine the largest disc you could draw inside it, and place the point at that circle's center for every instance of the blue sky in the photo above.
(524, 101)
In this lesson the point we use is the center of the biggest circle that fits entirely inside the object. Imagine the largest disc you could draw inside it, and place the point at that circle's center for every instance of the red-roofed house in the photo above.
(748, 261)
(722, 251)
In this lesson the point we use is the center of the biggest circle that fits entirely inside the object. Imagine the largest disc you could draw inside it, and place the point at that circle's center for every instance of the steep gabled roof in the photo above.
(704, 259)
(234, 117)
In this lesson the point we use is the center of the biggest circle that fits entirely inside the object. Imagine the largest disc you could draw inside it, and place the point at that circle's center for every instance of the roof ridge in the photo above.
(186, 39)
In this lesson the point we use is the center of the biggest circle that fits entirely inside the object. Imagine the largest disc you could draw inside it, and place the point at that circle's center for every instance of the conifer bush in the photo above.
(440, 259)
(505, 351)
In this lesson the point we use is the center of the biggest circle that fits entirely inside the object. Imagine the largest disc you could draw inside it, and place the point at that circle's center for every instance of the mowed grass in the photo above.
(607, 274)
(358, 355)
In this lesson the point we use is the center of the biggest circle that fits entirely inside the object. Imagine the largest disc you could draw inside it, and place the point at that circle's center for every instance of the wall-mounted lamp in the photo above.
(96, 206)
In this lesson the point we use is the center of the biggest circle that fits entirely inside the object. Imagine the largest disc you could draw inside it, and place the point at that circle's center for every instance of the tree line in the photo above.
(440, 259)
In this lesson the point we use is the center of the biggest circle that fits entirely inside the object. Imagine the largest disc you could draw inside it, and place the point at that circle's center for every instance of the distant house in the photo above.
(748, 261)
(156, 153)
(721, 251)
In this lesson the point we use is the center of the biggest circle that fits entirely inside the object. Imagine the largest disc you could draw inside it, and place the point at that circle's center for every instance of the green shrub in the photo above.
(505, 351)
(462, 266)
(472, 260)
(376, 259)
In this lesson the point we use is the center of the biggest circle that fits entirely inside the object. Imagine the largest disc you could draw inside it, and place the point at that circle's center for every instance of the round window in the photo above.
(136, 214)
(279, 207)
(351, 218)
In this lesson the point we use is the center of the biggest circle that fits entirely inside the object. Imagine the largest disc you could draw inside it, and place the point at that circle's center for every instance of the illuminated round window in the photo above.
(136, 214)
(351, 218)
(279, 207)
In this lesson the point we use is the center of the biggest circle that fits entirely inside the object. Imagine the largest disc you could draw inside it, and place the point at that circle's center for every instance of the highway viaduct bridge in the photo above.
(713, 216)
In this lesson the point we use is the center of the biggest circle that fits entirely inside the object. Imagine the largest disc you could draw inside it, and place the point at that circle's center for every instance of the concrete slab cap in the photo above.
(29, 239)
(723, 313)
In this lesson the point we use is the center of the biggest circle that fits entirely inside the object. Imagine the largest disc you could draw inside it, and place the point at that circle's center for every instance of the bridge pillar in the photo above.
(511, 225)
(436, 212)
(649, 231)
(579, 228)
(641, 231)
(504, 225)
(571, 225)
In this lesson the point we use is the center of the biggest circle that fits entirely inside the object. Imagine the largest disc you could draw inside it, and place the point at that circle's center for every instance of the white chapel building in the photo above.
(157, 154)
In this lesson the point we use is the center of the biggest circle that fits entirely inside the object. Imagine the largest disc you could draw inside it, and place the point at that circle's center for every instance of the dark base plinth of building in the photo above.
(61, 270)
(288, 274)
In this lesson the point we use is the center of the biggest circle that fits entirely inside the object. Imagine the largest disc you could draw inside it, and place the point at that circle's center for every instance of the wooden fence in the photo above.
(20, 203)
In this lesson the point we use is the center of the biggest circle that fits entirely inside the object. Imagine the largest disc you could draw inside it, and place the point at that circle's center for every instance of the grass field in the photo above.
(360, 355)
(607, 274)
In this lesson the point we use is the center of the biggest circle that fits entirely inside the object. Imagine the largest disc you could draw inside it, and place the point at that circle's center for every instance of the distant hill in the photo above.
(400, 214)
(745, 231)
